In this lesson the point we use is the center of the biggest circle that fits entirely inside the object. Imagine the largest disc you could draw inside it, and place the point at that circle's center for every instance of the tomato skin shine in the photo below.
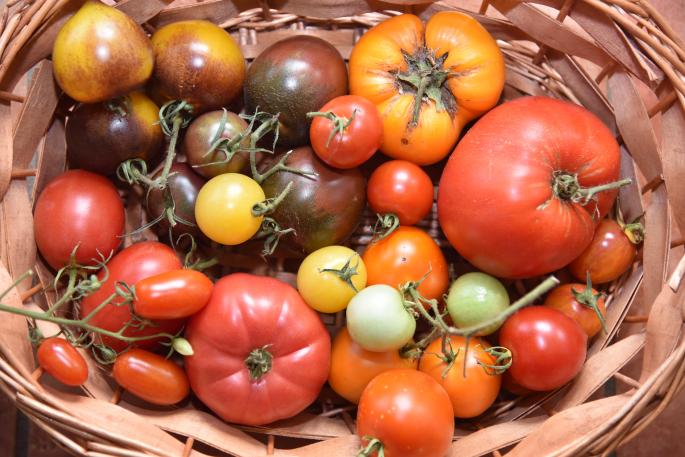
(172, 295)
(62, 361)
(151, 377)
(100, 53)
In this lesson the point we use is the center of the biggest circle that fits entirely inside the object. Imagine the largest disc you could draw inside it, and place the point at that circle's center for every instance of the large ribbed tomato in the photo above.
(452, 66)
(511, 197)
(261, 354)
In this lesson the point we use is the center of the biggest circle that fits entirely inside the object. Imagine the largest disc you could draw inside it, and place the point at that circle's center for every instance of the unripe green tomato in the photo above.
(475, 298)
(377, 319)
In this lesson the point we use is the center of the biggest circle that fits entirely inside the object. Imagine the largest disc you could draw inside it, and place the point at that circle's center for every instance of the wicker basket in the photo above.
(618, 58)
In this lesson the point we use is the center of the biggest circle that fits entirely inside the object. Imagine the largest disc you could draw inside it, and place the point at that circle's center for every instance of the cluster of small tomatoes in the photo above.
(525, 193)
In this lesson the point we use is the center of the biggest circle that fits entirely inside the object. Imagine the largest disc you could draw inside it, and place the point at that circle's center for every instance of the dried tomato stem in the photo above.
(566, 186)
(374, 445)
(259, 362)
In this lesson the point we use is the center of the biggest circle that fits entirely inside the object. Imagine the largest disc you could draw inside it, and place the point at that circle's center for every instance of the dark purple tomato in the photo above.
(293, 77)
(323, 209)
(184, 185)
(201, 138)
(99, 138)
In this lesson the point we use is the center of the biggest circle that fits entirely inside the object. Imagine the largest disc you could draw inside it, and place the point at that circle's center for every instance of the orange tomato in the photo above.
(576, 302)
(407, 254)
(452, 65)
(353, 367)
(472, 394)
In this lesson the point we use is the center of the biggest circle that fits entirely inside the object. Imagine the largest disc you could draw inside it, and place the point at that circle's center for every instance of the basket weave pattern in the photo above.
(618, 58)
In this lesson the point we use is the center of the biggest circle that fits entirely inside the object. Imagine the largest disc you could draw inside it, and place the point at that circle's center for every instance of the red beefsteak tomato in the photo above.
(260, 353)
(136, 262)
(511, 197)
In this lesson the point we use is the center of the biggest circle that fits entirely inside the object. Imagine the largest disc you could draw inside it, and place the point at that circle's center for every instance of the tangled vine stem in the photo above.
(120, 106)
(566, 187)
(269, 205)
(374, 446)
(340, 123)
(635, 231)
(503, 359)
(271, 232)
(384, 226)
(121, 291)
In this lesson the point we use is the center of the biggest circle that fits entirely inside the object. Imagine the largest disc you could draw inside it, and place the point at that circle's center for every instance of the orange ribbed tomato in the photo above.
(452, 65)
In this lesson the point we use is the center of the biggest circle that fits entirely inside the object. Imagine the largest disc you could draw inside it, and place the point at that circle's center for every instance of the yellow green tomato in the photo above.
(223, 209)
(475, 298)
(100, 53)
(329, 277)
(378, 320)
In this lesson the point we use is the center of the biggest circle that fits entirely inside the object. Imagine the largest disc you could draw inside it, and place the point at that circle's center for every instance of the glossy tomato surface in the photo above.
(401, 188)
(361, 135)
(471, 388)
(565, 298)
(609, 255)
(172, 295)
(138, 261)
(548, 348)
(407, 254)
(261, 354)
(496, 200)
(101, 53)
(62, 361)
(353, 367)
(78, 208)
(293, 77)
(409, 412)
(151, 377)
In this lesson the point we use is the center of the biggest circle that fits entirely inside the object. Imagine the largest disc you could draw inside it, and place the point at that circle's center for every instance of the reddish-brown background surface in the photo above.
(663, 437)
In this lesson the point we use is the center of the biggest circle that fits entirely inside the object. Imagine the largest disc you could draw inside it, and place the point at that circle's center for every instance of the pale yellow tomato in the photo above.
(329, 277)
(223, 209)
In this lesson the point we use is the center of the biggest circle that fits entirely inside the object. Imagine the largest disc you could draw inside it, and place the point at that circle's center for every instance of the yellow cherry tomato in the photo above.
(100, 53)
(223, 209)
(329, 277)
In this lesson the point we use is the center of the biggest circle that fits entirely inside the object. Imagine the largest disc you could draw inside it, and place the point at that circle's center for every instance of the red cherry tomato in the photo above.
(172, 295)
(579, 304)
(136, 262)
(78, 208)
(548, 348)
(407, 254)
(609, 255)
(62, 361)
(409, 412)
(401, 188)
(362, 131)
(151, 377)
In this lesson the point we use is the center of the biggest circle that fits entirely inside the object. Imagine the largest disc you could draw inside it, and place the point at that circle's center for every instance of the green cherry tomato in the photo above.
(377, 319)
(223, 209)
(475, 298)
(329, 277)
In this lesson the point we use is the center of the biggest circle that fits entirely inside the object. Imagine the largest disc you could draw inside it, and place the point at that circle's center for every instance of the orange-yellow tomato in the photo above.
(452, 65)
(353, 367)
(100, 53)
(472, 394)
(407, 254)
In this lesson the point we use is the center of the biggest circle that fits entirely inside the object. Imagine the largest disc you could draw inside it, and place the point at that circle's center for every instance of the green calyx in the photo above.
(259, 362)
(425, 77)
(346, 272)
(588, 298)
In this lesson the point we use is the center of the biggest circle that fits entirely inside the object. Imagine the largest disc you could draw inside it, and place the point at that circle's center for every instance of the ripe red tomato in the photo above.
(138, 261)
(609, 255)
(172, 295)
(407, 254)
(78, 208)
(548, 348)
(576, 303)
(473, 392)
(151, 377)
(408, 412)
(402, 188)
(353, 367)
(261, 354)
(361, 136)
(62, 361)
(507, 199)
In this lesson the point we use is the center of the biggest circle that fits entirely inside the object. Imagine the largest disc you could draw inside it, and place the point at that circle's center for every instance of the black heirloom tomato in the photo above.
(323, 209)
(293, 77)
(198, 62)
(184, 185)
(99, 137)
(203, 135)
